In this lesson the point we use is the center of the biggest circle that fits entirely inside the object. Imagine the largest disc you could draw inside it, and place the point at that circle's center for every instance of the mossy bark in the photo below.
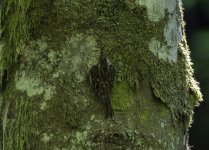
(48, 102)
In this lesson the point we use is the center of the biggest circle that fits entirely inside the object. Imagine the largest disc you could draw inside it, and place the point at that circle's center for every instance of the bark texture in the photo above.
(48, 49)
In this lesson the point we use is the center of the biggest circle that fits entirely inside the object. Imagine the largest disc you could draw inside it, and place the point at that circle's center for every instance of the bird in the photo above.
(102, 76)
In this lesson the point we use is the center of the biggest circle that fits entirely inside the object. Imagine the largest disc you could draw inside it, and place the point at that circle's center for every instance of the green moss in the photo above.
(20, 20)
(18, 120)
(123, 31)
(33, 86)
(46, 137)
(145, 116)
(122, 96)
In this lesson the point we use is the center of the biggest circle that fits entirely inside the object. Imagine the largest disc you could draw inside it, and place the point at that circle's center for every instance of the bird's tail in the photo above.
(108, 108)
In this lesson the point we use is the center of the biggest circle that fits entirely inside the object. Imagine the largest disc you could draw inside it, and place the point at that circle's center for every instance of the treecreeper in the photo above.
(102, 76)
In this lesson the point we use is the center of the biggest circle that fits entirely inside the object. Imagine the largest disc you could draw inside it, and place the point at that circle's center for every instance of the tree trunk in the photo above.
(47, 51)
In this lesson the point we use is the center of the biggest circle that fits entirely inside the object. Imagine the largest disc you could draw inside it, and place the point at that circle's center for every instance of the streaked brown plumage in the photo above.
(102, 78)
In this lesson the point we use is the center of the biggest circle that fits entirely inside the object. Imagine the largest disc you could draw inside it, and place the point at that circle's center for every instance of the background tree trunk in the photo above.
(47, 50)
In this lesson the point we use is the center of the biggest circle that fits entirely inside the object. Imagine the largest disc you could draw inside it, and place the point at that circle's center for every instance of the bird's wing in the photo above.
(94, 76)
(111, 72)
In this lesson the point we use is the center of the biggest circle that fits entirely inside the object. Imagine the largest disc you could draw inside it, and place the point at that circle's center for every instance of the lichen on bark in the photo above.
(49, 101)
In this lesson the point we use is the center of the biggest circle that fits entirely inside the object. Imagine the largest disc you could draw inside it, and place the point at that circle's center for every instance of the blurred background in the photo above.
(196, 16)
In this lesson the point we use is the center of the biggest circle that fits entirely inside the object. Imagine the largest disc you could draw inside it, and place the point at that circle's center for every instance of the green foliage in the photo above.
(188, 4)
(201, 45)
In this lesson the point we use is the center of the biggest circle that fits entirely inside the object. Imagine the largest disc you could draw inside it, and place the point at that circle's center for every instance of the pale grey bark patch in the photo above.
(156, 8)
(158, 49)
(168, 49)
(33, 86)
(162, 51)
(80, 54)
(171, 34)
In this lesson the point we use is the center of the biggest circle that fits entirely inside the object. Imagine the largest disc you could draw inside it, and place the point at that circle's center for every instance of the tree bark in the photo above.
(47, 50)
